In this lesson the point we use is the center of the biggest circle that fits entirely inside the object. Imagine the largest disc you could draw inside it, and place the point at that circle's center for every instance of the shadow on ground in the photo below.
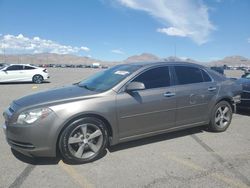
(122, 146)
(157, 138)
(36, 160)
(21, 83)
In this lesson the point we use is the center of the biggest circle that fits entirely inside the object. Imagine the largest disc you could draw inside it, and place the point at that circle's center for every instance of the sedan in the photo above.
(23, 73)
(123, 103)
(245, 96)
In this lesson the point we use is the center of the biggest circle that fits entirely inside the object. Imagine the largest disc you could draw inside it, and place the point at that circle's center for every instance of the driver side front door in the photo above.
(147, 111)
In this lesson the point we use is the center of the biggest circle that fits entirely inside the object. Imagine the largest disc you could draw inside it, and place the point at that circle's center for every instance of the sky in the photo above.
(112, 30)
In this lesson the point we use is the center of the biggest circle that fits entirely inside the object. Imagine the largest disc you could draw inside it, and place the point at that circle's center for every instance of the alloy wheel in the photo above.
(37, 79)
(85, 141)
(222, 116)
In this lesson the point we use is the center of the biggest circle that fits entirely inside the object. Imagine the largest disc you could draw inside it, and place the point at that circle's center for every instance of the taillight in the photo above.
(45, 70)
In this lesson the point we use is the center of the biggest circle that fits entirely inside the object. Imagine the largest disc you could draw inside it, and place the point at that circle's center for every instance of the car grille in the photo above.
(11, 110)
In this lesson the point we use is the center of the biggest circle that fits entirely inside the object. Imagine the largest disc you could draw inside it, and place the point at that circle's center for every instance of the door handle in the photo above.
(169, 94)
(211, 88)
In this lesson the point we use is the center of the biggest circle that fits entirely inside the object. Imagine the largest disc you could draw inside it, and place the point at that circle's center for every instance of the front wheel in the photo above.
(84, 140)
(221, 117)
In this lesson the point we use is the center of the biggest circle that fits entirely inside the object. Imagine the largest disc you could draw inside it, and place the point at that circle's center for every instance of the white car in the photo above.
(23, 73)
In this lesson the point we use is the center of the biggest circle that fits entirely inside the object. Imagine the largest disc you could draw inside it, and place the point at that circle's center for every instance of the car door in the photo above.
(13, 73)
(149, 110)
(194, 91)
(28, 72)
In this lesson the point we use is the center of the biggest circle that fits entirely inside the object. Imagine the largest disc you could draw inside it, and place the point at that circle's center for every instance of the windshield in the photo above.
(2, 66)
(107, 79)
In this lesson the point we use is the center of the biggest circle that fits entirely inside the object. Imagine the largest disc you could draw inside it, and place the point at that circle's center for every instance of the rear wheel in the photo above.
(84, 140)
(221, 117)
(37, 79)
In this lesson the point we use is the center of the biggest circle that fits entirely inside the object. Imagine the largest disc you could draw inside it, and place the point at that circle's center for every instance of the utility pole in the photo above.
(174, 51)
(4, 55)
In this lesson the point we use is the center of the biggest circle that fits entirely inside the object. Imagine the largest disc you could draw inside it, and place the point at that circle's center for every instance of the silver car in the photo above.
(123, 103)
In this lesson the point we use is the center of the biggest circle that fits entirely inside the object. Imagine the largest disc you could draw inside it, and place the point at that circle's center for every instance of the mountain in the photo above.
(232, 61)
(47, 58)
(145, 57)
(50, 58)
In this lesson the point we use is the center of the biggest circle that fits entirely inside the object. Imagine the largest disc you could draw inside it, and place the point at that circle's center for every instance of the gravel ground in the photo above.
(190, 158)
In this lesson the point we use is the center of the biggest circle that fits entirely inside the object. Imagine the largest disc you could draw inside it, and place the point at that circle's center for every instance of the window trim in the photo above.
(122, 89)
(31, 68)
(200, 69)
(211, 78)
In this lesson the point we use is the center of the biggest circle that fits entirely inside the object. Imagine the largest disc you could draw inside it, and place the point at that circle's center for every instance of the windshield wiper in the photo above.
(86, 87)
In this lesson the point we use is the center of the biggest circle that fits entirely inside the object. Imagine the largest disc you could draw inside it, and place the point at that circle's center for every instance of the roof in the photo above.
(143, 64)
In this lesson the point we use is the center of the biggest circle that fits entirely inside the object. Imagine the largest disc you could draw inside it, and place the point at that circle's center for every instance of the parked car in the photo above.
(245, 96)
(123, 103)
(246, 75)
(218, 69)
(23, 73)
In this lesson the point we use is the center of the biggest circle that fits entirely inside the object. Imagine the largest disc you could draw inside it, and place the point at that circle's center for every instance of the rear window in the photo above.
(28, 68)
(188, 75)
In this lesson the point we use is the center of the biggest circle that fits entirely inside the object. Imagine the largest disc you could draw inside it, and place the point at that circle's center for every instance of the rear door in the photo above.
(194, 91)
(146, 111)
(28, 72)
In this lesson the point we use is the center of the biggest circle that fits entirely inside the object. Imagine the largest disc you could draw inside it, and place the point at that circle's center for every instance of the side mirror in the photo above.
(133, 86)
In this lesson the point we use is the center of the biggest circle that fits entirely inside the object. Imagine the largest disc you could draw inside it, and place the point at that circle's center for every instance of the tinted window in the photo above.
(155, 78)
(15, 67)
(28, 68)
(206, 77)
(188, 75)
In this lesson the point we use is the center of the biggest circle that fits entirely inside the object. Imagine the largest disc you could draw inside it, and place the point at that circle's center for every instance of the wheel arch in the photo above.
(227, 99)
(75, 118)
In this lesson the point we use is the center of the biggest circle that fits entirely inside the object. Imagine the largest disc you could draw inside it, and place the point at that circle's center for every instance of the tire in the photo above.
(37, 79)
(84, 140)
(221, 117)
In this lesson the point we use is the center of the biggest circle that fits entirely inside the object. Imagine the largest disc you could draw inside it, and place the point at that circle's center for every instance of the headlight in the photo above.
(31, 116)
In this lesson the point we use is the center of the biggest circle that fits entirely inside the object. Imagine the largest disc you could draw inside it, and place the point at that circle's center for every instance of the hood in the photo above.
(54, 95)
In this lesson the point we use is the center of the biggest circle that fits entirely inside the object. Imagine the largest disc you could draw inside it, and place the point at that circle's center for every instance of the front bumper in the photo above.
(37, 139)
(245, 100)
(236, 100)
(245, 104)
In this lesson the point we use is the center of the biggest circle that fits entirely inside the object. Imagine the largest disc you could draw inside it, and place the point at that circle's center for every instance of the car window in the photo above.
(14, 67)
(107, 79)
(28, 68)
(206, 77)
(188, 75)
(155, 78)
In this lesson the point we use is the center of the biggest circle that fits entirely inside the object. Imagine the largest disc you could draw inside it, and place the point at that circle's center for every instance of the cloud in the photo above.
(172, 31)
(118, 51)
(22, 44)
(185, 18)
